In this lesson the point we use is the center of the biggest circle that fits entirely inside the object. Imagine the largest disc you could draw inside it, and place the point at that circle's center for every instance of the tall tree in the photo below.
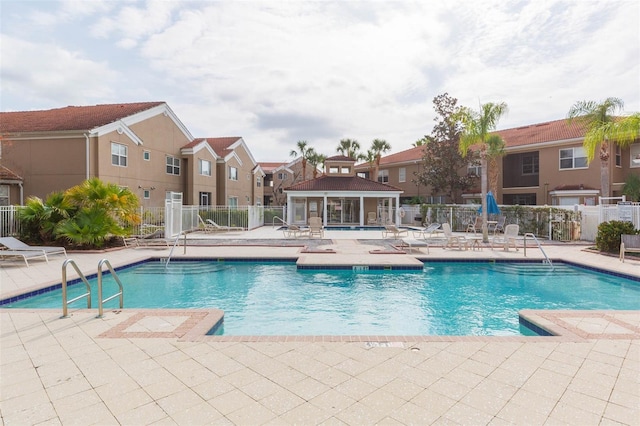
(604, 127)
(370, 158)
(477, 128)
(304, 151)
(441, 159)
(378, 147)
(316, 159)
(350, 148)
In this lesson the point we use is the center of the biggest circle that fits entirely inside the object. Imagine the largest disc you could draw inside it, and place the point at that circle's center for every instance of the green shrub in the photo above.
(608, 238)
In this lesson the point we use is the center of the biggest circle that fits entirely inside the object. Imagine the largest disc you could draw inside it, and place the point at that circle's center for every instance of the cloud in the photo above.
(278, 72)
(45, 74)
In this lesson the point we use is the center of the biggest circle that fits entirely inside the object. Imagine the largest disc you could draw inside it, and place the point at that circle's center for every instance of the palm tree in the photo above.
(304, 151)
(316, 159)
(477, 126)
(379, 146)
(603, 127)
(350, 148)
(370, 158)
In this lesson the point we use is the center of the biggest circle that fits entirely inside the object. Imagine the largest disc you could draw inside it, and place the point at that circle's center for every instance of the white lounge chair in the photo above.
(24, 254)
(372, 218)
(394, 231)
(15, 244)
(294, 231)
(508, 238)
(451, 239)
(475, 226)
(427, 232)
(223, 228)
(411, 244)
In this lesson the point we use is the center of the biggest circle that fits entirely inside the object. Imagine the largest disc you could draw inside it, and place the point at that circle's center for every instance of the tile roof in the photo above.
(550, 131)
(70, 117)
(219, 145)
(270, 166)
(408, 155)
(339, 158)
(341, 183)
(7, 174)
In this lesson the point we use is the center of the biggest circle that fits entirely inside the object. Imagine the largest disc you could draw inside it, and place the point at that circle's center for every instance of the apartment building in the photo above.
(281, 175)
(143, 146)
(544, 163)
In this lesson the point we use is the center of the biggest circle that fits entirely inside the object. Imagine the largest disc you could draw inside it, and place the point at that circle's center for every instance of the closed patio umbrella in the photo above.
(492, 205)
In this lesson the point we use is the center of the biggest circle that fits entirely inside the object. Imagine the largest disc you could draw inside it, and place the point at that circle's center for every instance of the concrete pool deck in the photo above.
(156, 367)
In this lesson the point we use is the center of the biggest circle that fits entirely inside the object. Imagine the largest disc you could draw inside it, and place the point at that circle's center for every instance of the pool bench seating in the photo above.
(629, 244)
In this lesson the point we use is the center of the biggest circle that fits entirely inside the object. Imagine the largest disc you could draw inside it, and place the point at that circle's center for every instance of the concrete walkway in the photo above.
(157, 367)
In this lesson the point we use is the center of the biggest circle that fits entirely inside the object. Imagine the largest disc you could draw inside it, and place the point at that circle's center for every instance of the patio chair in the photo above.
(294, 231)
(451, 239)
(24, 254)
(498, 226)
(372, 218)
(411, 244)
(427, 232)
(16, 245)
(475, 225)
(222, 228)
(394, 231)
(508, 238)
(204, 226)
(315, 227)
(155, 239)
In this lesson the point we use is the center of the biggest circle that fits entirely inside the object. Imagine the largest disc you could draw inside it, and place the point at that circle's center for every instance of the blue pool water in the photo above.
(444, 299)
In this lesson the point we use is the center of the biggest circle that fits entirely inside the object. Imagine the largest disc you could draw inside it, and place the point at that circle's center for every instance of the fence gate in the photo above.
(173, 214)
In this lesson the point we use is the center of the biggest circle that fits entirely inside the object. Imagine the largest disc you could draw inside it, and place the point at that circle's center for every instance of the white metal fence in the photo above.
(250, 217)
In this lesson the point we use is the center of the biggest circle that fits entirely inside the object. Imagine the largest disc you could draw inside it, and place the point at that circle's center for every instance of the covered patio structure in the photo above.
(343, 199)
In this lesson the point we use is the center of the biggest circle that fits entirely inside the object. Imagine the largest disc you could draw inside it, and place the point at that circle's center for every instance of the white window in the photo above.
(233, 201)
(333, 170)
(618, 156)
(146, 155)
(146, 194)
(402, 174)
(573, 158)
(634, 150)
(530, 165)
(118, 154)
(383, 176)
(282, 176)
(173, 166)
(233, 173)
(345, 170)
(474, 169)
(205, 167)
(4, 195)
(258, 182)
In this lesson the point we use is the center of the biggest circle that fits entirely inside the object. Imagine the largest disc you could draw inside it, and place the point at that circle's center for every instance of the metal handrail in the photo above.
(547, 260)
(115, 276)
(175, 243)
(273, 221)
(66, 302)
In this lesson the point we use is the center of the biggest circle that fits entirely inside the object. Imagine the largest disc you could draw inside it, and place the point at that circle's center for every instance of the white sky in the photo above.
(276, 72)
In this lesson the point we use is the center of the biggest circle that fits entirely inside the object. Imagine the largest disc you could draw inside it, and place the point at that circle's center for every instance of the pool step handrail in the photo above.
(65, 302)
(118, 294)
(175, 243)
(273, 221)
(546, 258)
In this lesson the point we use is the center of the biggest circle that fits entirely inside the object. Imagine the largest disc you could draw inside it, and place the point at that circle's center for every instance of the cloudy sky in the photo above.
(276, 72)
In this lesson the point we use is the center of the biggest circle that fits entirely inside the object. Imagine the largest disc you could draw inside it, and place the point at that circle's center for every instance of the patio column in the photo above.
(289, 218)
(324, 211)
(398, 219)
(362, 210)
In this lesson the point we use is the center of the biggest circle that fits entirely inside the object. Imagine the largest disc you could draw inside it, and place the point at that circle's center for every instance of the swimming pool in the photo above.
(445, 298)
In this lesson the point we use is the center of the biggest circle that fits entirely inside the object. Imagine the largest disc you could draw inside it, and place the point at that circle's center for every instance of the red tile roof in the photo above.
(550, 131)
(8, 174)
(268, 167)
(339, 158)
(341, 183)
(70, 117)
(219, 145)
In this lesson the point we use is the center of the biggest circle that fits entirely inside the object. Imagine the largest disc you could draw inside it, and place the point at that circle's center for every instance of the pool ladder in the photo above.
(101, 301)
(546, 258)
